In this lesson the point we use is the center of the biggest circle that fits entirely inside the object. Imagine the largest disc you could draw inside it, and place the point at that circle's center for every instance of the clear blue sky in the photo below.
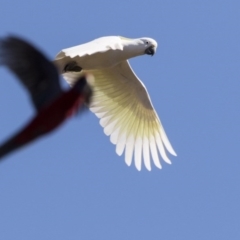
(72, 185)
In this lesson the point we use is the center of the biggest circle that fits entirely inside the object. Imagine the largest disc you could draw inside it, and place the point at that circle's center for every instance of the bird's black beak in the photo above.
(150, 50)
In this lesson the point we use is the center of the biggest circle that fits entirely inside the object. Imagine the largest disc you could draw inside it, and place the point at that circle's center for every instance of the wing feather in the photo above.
(102, 44)
(146, 153)
(91, 55)
(138, 141)
(127, 115)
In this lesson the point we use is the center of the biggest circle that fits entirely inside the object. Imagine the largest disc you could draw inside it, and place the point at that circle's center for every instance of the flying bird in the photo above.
(120, 99)
(40, 77)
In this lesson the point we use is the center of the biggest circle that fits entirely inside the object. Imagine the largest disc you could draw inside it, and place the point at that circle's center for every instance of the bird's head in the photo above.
(150, 46)
(138, 46)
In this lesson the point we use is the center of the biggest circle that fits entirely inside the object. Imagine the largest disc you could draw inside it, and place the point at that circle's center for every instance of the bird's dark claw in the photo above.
(72, 67)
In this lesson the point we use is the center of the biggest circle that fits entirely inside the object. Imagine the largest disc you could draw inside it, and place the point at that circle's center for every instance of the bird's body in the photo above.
(120, 99)
(40, 77)
(101, 53)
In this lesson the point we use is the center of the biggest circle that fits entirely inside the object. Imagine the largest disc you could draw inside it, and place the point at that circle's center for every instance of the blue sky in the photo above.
(72, 185)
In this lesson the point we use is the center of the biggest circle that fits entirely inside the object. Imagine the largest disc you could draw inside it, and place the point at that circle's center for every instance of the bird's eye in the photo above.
(147, 42)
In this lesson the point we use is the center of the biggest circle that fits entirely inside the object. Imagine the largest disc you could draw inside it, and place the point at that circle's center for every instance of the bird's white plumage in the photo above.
(96, 46)
(120, 99)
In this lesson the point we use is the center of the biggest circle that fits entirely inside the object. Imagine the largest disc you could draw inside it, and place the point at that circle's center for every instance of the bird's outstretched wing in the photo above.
(50, 117)
(35, 71)
(127, 115)
(96, 54)
(98, 45)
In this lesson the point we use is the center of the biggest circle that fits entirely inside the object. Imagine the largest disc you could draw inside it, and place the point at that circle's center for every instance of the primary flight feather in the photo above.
(120, 99)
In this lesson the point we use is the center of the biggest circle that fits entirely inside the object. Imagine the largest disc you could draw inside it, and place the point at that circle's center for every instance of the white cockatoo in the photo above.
(120, 99)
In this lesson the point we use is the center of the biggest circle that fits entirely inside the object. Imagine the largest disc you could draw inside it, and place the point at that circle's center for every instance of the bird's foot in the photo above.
(72, 67)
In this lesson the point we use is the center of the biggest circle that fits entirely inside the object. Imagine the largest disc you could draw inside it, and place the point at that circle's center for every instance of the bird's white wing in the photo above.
(127, 115)
(98, 45)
